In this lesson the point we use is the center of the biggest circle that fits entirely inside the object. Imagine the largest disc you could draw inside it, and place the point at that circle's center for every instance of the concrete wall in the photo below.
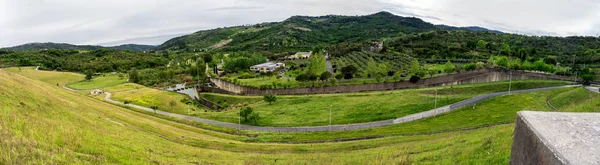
(477, 76)
(556, 138)
(528, 148)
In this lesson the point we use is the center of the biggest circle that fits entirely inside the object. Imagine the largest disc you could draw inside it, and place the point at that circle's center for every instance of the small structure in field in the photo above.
(96, 92)
(300, 55)
(267, 67)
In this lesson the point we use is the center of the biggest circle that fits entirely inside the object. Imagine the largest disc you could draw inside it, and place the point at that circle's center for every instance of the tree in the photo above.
(349, 71)
(172, 103)
(502, 62)
(449, 67)
(505, 49)
(432, 72)
(255, 117)
(154, 107)
(313, 78)
(317, 63)
(270, 98)
(200, 67)
(414, 79)
(134, 76)
(245, 113)
(207, 58)
(490, 62)
(302, 77)
(88, 75)
(333, 81)
(325, 76)
(414, 67)
(481, 44)
(126, 102)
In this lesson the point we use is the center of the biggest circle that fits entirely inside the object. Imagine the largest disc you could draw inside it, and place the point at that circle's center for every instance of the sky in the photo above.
(114, 22)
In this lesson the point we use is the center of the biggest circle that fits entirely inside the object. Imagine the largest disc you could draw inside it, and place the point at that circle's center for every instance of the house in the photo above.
(267, 67)
(96, 92)
(300, 55)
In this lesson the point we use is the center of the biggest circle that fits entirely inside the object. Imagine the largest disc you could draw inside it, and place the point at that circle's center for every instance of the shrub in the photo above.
(414, 79)
(270, 98)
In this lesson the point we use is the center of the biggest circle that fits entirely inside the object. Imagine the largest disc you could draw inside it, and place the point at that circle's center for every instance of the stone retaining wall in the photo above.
(477, 76)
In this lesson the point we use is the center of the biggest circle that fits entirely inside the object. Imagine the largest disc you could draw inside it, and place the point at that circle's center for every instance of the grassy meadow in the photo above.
(51, 77)
(42, 123)
(106, 80)
(313, 110)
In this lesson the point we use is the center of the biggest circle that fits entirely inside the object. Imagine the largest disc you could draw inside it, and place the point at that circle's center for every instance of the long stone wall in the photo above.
(477, 76)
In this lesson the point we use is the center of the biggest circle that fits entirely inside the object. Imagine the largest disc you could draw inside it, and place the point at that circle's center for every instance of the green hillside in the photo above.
(302, 32)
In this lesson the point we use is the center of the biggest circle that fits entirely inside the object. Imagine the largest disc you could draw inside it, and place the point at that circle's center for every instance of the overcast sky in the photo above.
(113, 22)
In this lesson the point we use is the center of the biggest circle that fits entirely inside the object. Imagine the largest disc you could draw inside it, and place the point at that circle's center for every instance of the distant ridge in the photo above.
(65, 46)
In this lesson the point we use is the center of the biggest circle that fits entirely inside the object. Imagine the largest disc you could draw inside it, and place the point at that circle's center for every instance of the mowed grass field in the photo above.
(499, 110)
(313, 110)
(106, 80)
(42, 123)
(51, 77)
(144, 96)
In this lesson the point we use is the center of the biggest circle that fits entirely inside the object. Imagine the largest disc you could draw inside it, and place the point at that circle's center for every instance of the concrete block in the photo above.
(556, 138)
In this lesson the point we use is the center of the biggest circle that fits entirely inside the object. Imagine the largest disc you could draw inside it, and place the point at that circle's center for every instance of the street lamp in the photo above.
(330, 106)
(239, 120)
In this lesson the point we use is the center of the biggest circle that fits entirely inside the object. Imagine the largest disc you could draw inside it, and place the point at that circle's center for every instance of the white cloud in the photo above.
(151, 21)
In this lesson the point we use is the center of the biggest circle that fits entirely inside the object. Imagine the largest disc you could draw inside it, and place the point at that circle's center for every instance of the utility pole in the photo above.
(510, 81)
(435, 101)
(239, 120)
(330, 106)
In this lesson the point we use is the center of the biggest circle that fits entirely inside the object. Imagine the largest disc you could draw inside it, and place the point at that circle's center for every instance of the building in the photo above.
(267, 67)
(96, 92)
(300, 55)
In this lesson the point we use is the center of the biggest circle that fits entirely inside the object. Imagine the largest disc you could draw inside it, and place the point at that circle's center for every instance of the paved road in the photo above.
(593, 89)
(404, 119)
(328, 63)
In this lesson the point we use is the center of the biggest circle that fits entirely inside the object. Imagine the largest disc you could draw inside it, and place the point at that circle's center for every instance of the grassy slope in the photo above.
(493, 111)
(148, 97)
(42, 123)
(579, 100)
(51, 77)
(313, 110)
(99, 82)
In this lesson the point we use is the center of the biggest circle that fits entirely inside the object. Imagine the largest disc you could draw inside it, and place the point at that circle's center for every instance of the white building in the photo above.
(96, 92)
(300, 55)
(267, 67)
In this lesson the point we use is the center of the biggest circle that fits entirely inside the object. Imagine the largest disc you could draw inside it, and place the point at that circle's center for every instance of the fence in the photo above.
(476, 76)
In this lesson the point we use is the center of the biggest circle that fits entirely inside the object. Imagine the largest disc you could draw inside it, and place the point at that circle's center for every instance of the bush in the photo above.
(414, 79)
(469, 67)
(270, 98)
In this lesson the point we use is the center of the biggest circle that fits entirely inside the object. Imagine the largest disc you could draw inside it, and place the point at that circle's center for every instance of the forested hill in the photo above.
(65, 46)
(303, 32)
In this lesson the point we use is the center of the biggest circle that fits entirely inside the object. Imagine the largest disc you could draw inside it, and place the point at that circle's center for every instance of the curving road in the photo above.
(593, 89)
(403, 119)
